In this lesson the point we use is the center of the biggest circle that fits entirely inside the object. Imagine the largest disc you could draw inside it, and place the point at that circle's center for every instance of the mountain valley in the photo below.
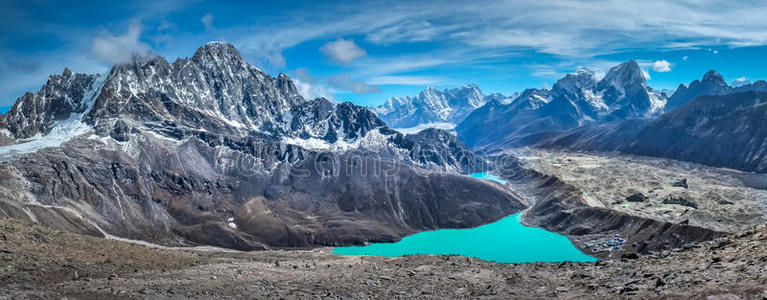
(207, 169)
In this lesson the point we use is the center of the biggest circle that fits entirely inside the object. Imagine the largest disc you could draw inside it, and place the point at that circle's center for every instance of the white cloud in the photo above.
(207, 20)
(406, 80)
(740, 81)
(312, 91)
(646, 75)
(265, 55)
(684, 58)
(308, 87)
(345, 82)
(342, 51)
(276, 59)
(571, 28)
(661, 66)
(120, 49)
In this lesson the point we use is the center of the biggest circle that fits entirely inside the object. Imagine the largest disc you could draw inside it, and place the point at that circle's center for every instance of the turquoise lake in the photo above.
(505, 241)
(487, 176)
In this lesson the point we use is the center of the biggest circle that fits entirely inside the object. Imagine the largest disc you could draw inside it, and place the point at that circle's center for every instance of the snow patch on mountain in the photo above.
(373, 140)
(438, 125)
(61, 132)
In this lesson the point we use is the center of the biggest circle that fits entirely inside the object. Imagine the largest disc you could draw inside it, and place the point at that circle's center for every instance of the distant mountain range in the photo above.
(716, 124)
(576, 100)
(434, 107)
(702, 121)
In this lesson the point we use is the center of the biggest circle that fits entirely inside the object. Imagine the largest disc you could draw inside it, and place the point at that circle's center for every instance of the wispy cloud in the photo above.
(572, 28)
(407, 80)
(417, 40)
(207, 20)
(308, 86)
(119, 49)
(345, 82)
(343, 51)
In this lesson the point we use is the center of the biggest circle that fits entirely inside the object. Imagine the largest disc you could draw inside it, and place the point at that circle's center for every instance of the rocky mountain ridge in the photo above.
(210, 150)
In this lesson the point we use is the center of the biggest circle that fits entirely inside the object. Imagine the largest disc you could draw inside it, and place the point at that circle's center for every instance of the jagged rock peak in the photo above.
(286, 85)
(627, 72)
(583, 71)
(218, 52)
(581, 79)
(713, 77)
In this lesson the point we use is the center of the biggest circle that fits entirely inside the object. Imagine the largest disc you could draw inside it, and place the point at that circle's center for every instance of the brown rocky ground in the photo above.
(41, 263)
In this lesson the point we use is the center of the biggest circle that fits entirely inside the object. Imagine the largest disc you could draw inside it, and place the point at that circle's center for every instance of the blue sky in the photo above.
(368, 51)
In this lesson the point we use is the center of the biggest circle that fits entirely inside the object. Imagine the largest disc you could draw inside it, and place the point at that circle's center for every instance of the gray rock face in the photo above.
(211, 150)
(215, 90)
(278, 195)
(60, 97)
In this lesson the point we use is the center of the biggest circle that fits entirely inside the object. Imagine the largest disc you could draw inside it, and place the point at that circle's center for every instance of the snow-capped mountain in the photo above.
(62, 96)
(626, 95)
(576, 100)
(214, 91)
(171, 152)
(713, 119)
(432, 106)
(215, 86)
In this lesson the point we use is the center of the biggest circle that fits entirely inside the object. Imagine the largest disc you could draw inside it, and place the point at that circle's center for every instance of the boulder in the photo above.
(681, 183)
(638, 197)
(679, 201)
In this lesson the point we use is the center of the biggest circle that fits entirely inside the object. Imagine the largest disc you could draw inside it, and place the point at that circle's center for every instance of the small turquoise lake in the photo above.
(488, 176)
(505, 241)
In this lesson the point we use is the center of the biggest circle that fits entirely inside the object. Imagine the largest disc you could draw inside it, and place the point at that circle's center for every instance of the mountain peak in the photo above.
(712, 84)
(713, 77)
(626, 72)
(217, 51)
(583, 71)
(581, 79)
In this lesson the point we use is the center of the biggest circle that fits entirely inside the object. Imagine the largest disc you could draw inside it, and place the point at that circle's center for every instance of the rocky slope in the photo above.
(572, 198)
(708, 129)
(43, 263)
(711, 84)
(576, 100)
(210, 150)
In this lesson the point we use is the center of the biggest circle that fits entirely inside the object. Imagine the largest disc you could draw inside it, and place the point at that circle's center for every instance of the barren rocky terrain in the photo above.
(41, 263)
(714, 198)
